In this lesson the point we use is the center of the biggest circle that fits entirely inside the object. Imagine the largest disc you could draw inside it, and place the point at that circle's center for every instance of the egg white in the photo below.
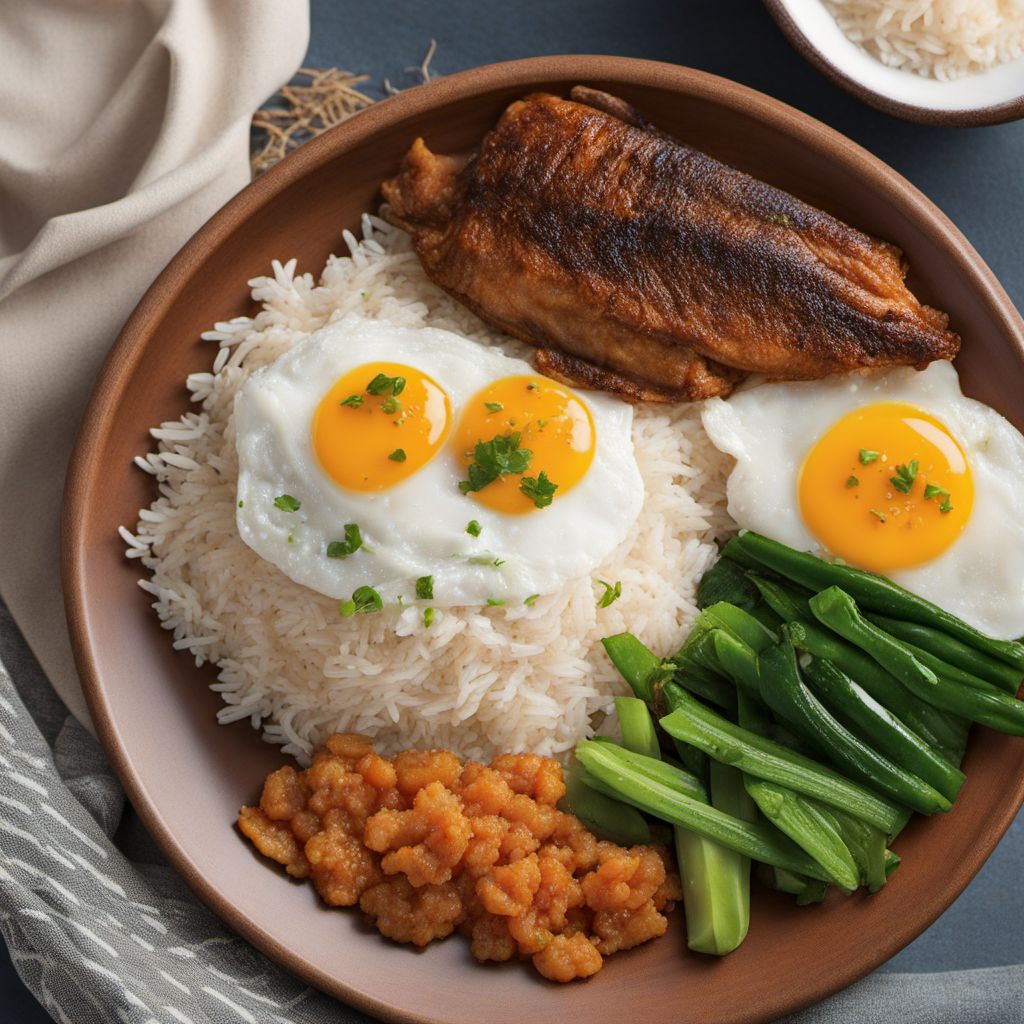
(418, 527)
(769, 429)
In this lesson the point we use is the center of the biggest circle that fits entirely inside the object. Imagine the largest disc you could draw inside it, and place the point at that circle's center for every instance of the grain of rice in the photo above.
(479, 681)
(942, 39)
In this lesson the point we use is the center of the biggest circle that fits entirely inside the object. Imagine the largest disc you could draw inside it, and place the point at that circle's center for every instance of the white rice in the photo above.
(943, 39)
(479, 681)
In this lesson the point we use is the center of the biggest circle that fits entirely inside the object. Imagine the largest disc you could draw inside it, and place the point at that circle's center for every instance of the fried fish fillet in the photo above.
(641, 266)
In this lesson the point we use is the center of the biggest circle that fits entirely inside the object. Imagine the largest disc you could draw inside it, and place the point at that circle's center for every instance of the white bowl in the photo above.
(988, 97)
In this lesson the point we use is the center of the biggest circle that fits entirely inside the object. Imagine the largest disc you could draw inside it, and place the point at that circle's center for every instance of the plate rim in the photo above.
(130, 346)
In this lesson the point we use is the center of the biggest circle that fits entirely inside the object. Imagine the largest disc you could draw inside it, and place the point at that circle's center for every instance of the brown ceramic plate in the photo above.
(187, 776)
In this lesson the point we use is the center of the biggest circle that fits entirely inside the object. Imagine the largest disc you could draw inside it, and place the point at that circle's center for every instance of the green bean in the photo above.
(796, 815)
(739, 623)
(878, 726)
(605, 816)
(637, 726)
(785, 693)
(837, 610)
(767, 617)
(873, 593)
(788, 602)
(953, 652)
(754, 840)
(982, 702)
(738, 661)
(708, 684)
(641, 668)
(724, 741)
(945, 734)
(865, 843)
(663, 772)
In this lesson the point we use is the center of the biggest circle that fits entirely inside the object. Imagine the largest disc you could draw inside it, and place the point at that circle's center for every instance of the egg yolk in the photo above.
(551, 423)
(379, 424)
(886, 487)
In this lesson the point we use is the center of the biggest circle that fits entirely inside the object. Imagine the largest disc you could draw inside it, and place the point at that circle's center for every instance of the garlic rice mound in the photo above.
(478, 681)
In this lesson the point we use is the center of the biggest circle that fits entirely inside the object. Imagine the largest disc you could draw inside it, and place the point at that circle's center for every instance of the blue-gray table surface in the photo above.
(972, 174)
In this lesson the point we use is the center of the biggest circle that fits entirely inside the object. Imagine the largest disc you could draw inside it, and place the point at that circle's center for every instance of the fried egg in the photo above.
(893, 471)
(376, 456)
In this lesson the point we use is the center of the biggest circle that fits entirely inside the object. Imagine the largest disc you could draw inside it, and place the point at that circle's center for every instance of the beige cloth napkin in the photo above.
(123, 126)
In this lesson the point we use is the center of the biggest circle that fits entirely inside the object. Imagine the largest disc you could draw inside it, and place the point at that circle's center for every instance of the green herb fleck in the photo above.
(540, 490)
(346, 609)
(905, 476)
(241, 504)
(343, 548)
(286, 503)
(382, 385)
(934, 491)
(531, 600)
(852, 481)
(354, 401)
(867, 456)
(428, 617)
(878, 515)
(398, 455)
(425, 588)
(494, 602)
(390, 405)
(532, 386)
(492, 459)
(493, 406)
(366, 599)
(611, 593)
(946, 506)
(473, 528)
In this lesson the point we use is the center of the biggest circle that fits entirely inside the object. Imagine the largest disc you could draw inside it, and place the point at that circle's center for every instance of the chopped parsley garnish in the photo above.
(852, 481)
(541, 424)
(425, 588)
(946, 506)
(485, 560)
(905, 476)
(532, 386)
(390, 405)
(353, 400)
(611, 593)
(539, 489)
(531, 600)
(382, 385)
(494, 458)
(398, 455)
(342, 548)
(241, 504)
(428, 617)
(494, 602)
(878, 515)
(363, 600)
(493, 406)
(867, 456)
(473, 528)
(286, 503)
(934, 491)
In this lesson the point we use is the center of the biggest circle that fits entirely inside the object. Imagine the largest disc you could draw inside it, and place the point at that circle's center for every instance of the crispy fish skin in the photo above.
(647, 268)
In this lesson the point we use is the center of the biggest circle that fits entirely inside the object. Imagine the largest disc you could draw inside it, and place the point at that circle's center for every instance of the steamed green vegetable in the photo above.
(837, 610)
(605, 816)
(637, 727)
(754, 840)
(785, 693)
(953, 652)
(873, 593)
(724, 741)
(880, 727)
(946, 734)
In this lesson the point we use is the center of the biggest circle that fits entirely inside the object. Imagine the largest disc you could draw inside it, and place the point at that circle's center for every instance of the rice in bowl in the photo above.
(479, 681)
